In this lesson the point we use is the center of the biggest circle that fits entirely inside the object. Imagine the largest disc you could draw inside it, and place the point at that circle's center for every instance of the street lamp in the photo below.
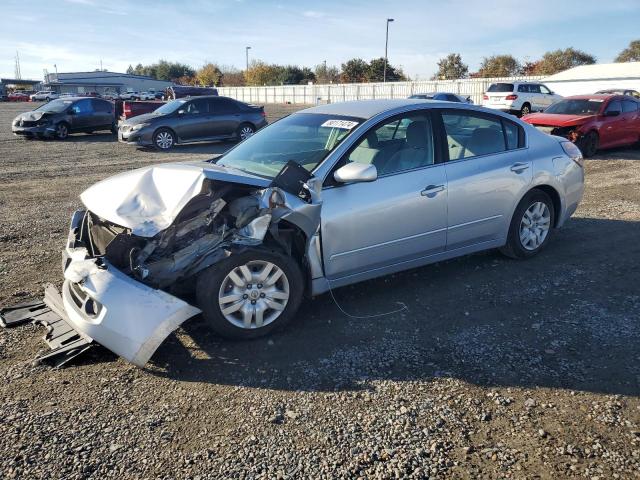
(386, 47)
(246, 51)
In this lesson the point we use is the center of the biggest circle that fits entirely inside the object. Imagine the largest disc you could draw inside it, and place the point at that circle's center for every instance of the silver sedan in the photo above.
(324, 198)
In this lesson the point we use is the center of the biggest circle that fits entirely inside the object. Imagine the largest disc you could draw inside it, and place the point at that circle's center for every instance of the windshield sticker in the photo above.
(344, 124)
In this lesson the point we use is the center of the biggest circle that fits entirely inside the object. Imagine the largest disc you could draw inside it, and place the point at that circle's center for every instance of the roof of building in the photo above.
(598, 71)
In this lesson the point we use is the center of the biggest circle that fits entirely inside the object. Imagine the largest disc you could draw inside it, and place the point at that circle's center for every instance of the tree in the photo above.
(139, 70)
(209, 74)
(631, 53)
(231, 76)
(499, 66)
(560, 60)
(170, 71)
(261, 73)
(451, 67)
(130, 70)
(355, 70)
(325, 74)
(376, 71)
(529, 68)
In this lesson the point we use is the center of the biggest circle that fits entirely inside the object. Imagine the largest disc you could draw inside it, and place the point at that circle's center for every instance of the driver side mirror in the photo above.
(181, 112)
(71, 111)
(355, 172)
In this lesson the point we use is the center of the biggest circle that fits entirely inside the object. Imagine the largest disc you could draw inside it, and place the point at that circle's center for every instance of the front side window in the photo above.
(471, 135)
(83, 106)
(305, 138)
(404, 143)
(197, 107)
(614, 106)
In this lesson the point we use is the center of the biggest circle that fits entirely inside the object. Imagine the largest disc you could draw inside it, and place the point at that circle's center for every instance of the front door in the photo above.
(193, 120)
(83, 117)
(399, 217)
(488, 171)
(612, 131)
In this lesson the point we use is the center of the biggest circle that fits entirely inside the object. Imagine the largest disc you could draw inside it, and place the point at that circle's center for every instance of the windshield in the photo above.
(305, 138)
(55, 106)
(170, 107)
(501, 87)
(585, 106)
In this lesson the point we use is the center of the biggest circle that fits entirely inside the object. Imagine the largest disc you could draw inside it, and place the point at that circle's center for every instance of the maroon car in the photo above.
(19, 96)
(592, 122)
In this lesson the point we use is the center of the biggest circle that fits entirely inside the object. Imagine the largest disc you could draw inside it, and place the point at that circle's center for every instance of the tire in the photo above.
(114, 128)
(164, 139)
(522, 240)
(525, 109)
(62, 130)
(245, 130)
(588, 144)
(225, 285)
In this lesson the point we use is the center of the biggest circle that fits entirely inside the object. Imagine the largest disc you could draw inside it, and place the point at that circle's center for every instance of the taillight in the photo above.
(573, 152)
(485, 97)
(511, 97)
(264, 114)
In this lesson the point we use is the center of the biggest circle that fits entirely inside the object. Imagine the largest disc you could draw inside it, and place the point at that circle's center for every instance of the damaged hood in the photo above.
(557, 120)
(148, 200)
(32, 116)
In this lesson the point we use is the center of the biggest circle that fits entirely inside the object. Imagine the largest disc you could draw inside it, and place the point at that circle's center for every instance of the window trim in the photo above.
(522, 136)
(438, 160)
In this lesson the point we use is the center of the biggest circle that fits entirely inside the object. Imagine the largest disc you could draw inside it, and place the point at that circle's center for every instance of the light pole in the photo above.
(246, 51)
(386, 48)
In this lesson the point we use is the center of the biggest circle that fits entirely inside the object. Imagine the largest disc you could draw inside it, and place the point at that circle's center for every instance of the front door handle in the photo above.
(519, 167)
(432, 190)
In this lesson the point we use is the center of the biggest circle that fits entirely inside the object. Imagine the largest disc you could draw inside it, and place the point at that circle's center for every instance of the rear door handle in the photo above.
(519, 167)
(432, 190)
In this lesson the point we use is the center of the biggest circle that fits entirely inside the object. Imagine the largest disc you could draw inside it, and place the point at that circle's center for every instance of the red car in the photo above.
(18, 97)
(592, 122)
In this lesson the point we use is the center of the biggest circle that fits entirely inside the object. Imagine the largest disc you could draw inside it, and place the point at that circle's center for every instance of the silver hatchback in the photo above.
(326, 197)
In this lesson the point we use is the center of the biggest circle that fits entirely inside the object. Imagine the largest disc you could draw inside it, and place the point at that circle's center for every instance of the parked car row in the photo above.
(184, 120)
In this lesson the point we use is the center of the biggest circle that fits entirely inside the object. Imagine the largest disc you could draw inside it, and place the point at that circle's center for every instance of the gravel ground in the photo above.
(499, 368)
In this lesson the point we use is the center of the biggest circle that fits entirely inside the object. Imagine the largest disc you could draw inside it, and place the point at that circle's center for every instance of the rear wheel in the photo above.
(164, 139)
(531, 225)
(62, 131)
(245, 131)
(525, 110)
(250, 294)
(588, 144)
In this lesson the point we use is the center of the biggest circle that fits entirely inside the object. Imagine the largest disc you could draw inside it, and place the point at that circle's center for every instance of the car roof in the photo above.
(369, 108)
(597, 96)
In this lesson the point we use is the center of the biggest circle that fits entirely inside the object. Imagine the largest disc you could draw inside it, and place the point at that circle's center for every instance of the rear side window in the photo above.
(523, 88)
(103, 107)
(469, 134)
(501, 87)
(534, 88)
(452, 98)
(628, 106)
(224, 105)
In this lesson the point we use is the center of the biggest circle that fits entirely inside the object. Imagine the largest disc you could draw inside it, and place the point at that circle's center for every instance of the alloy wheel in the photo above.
(62, 131)
(254, 295)
(164, 140)
(246, 132)
(535, 226)
(525, 110)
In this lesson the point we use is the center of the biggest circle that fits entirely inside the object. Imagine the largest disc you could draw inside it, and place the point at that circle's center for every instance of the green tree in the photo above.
(376, 71)
(355, 70)
(499, 66)
(560, 60)
(209, 74)
(261, 73)
(631, 53)
(451, 67)
(130, 70)
(139, 70)
(327, 74)
(170, 71)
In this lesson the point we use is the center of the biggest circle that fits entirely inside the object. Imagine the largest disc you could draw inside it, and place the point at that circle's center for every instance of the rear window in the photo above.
(501, 87)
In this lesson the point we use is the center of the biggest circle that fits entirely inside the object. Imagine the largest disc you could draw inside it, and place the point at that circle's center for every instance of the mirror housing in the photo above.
(612, 113)
(181, 112)
(71, 111)
(355, 172)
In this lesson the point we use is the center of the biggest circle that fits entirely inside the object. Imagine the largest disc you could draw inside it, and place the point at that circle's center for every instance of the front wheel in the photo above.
(164, 139)
(531, 226)
(62, 131)
(250, 294)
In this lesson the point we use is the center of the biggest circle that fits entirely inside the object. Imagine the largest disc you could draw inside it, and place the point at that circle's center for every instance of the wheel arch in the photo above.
(555, 198)
(163, 127)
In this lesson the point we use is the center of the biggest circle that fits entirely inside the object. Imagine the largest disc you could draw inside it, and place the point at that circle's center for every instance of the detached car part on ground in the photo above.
(592, 122)
(323, 198)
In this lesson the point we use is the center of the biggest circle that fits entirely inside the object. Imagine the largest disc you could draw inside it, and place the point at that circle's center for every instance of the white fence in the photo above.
(342, 92)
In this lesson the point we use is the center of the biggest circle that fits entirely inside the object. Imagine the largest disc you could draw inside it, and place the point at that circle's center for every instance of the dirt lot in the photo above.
(499, 368)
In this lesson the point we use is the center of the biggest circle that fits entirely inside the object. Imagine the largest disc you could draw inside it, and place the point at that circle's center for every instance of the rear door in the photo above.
(488, 170)
(632, 120)
(103, 113)
(225, 116)
(193, 122)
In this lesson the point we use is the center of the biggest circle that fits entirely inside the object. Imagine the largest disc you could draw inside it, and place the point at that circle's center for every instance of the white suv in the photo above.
(44, 95)
(520, 98)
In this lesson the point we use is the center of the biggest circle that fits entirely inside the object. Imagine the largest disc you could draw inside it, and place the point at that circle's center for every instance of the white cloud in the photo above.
(313, 14)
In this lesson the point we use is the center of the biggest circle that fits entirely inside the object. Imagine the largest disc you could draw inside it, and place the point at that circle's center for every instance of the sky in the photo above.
(76, 35)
